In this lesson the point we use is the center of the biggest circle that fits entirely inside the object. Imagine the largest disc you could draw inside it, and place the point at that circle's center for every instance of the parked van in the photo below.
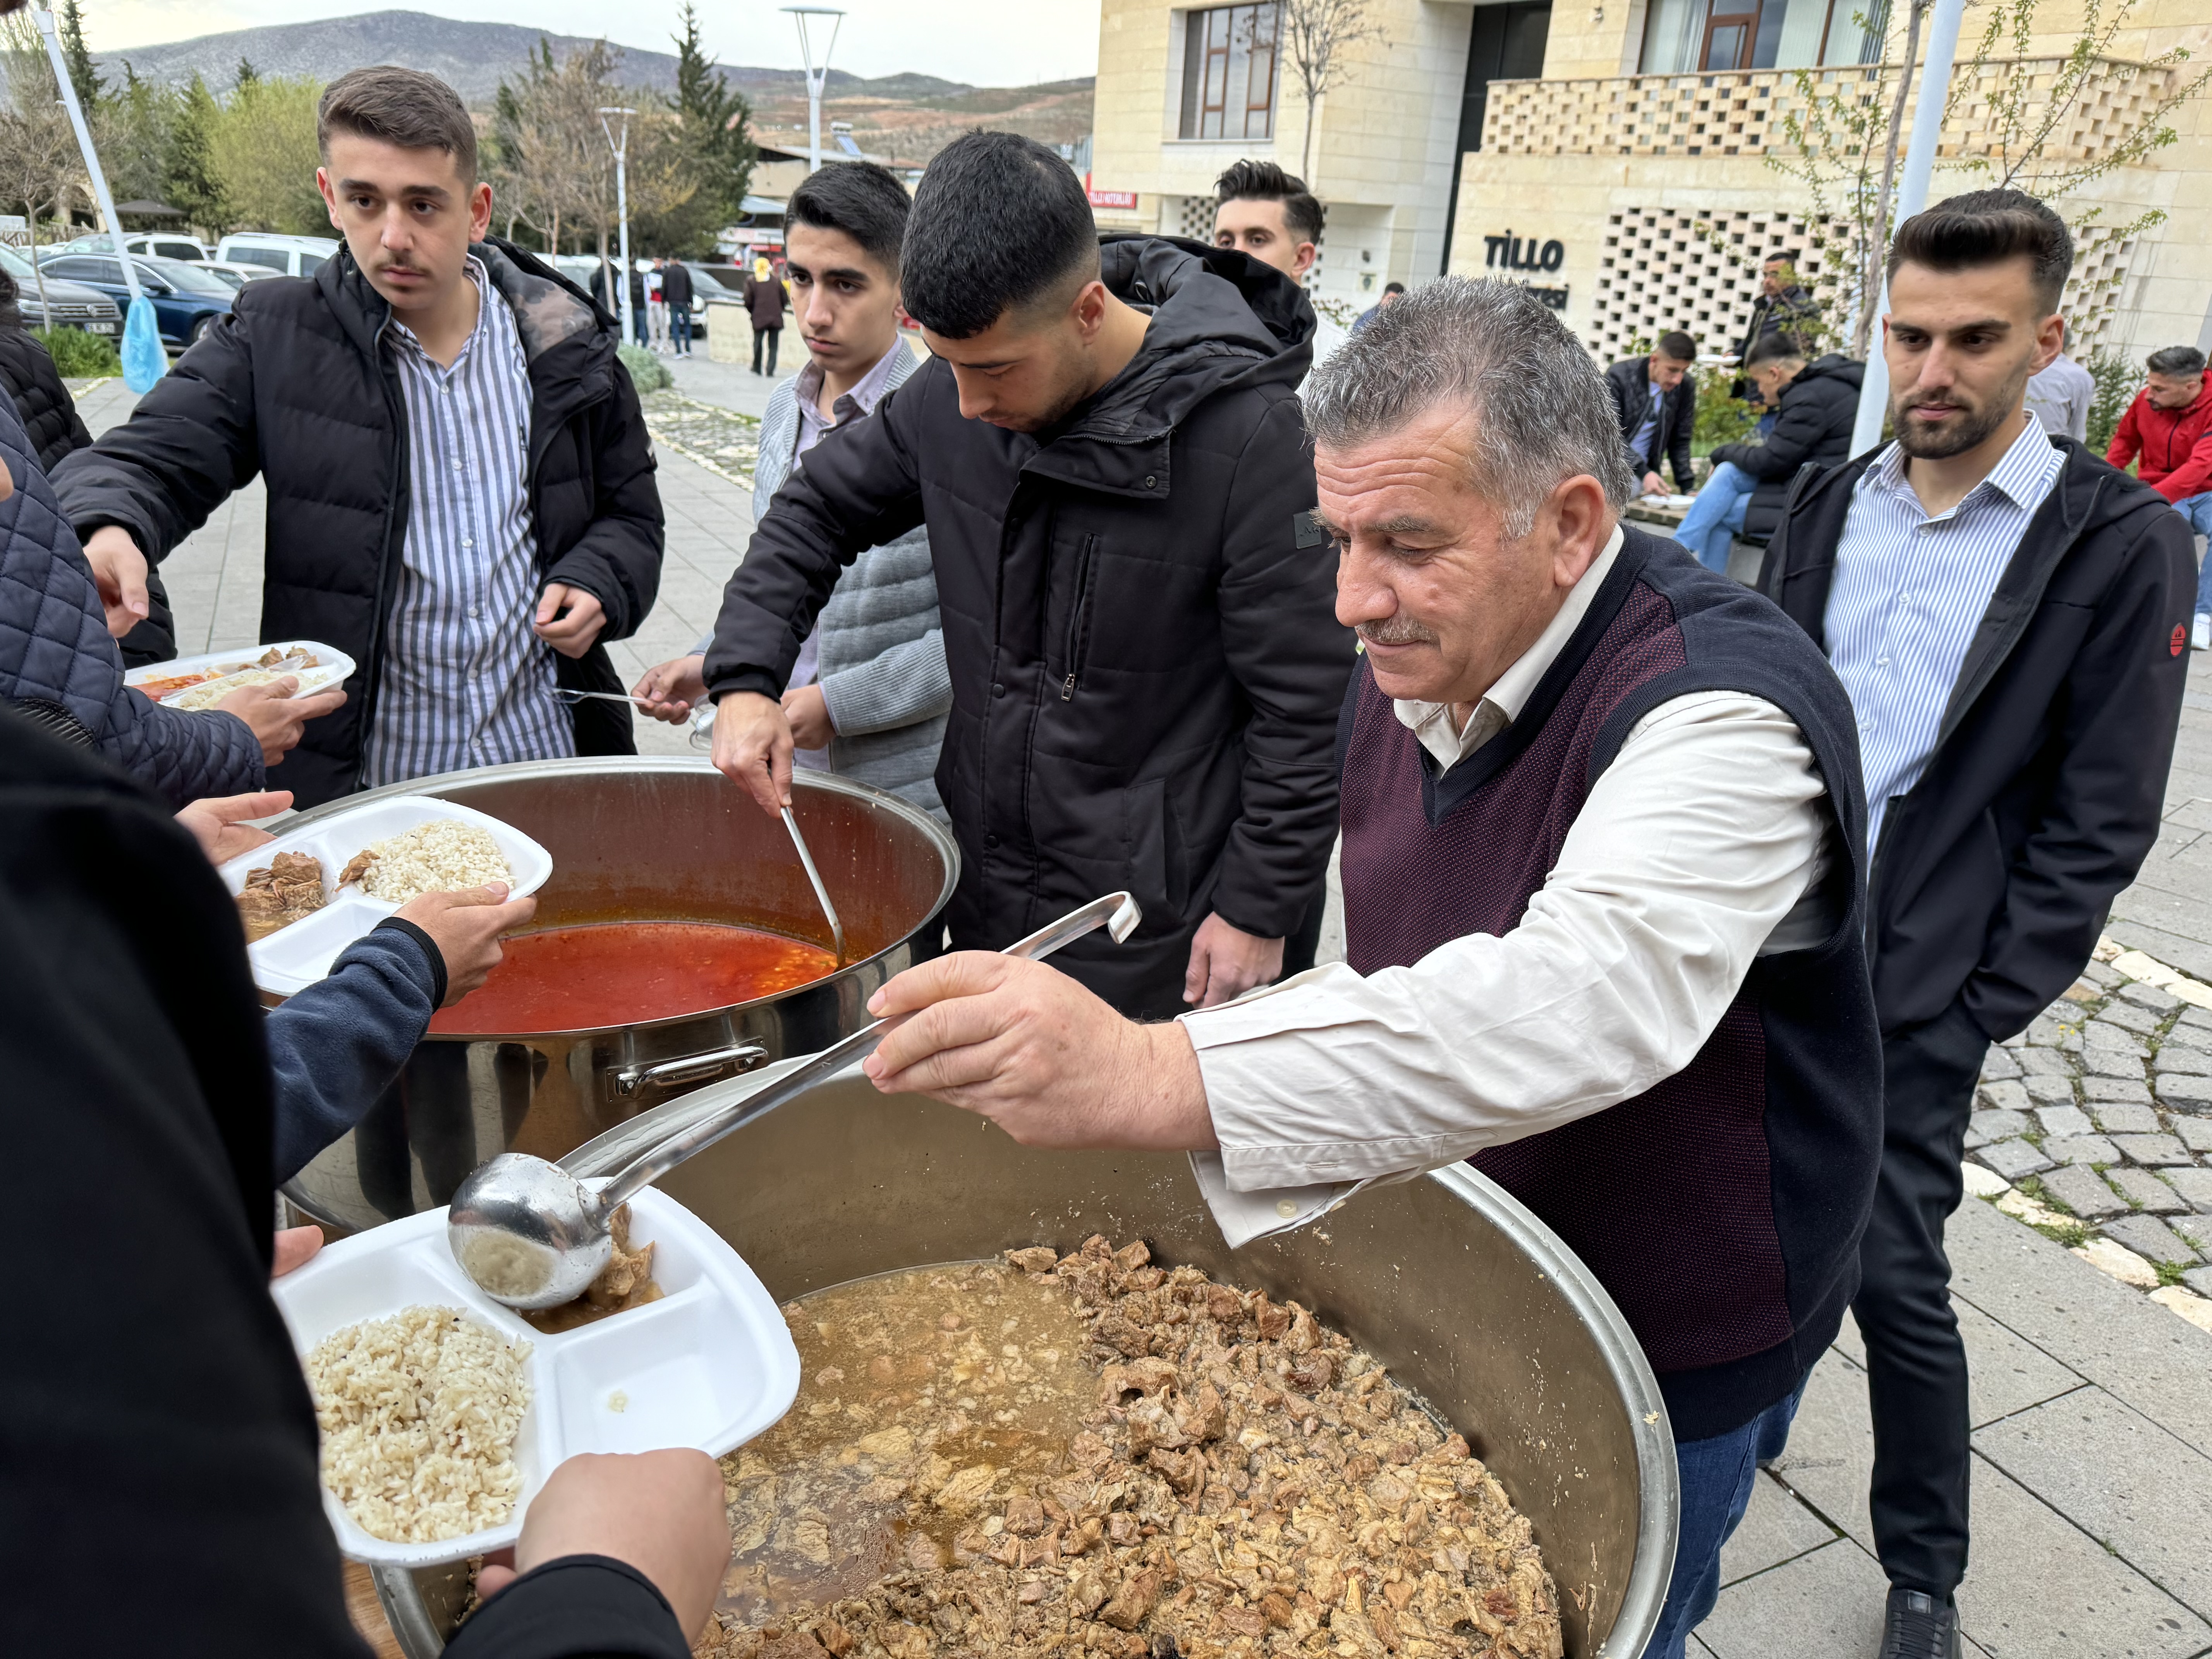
(159, 244)
(288, 255)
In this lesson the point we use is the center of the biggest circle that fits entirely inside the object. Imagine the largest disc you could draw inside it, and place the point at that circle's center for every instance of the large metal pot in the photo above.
(1466, 1296)
(640, 838)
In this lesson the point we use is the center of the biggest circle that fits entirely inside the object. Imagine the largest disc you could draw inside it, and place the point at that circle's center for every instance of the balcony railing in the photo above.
(1741, 111)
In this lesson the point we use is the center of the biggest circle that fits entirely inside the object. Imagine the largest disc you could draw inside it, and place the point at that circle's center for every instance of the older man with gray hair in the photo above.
(1603, 848)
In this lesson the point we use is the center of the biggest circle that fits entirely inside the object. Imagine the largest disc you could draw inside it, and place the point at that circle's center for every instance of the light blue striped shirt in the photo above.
(1909, 591)
(466, 683)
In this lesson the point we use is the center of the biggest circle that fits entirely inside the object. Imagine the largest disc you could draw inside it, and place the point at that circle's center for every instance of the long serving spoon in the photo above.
(806, 858)
(822, 893)
(532, 1235)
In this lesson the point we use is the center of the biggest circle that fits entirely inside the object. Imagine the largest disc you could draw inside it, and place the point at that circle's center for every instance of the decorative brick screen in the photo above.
(1741, 112)
(1659, 271)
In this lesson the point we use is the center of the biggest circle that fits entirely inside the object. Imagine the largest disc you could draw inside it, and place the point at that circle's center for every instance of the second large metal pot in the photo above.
(1470, 1300)
(638, 838)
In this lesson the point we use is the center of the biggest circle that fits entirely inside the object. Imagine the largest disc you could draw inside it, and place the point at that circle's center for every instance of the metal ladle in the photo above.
(532, 1236)
(822, 893)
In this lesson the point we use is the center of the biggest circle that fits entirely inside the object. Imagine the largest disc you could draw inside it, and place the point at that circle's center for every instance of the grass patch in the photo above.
(2169, 1272)
(77, 355)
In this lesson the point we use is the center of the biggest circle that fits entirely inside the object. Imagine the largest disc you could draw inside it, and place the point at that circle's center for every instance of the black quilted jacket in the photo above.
(295, 384)
(55, 649)
(43, 403)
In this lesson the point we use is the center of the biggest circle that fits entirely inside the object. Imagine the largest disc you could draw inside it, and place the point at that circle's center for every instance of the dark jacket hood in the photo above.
(1834, 366)
(1221, 321)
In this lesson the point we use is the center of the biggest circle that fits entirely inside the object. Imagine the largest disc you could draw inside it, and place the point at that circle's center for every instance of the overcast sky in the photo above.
(983, 42)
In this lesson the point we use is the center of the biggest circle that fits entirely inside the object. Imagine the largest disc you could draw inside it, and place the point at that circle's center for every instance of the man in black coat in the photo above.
(1107, 450)
(1655, 398)
(676, 293)
(1784, 306)
(322, 386)
(2010, 617)
(1816, 406)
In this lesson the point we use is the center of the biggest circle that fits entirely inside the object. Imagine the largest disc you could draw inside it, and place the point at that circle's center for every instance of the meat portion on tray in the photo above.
(289, 887)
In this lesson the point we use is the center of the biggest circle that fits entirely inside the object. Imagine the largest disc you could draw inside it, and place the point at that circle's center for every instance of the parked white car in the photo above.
(287, 256)
(158, 244)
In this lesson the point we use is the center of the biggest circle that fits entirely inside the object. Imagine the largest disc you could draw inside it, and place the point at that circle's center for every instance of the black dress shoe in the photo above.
(1918, 1626)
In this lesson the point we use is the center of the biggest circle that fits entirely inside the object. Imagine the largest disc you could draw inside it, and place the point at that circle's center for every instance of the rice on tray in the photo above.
(419, 1413)
(208, 695)
(436, 856)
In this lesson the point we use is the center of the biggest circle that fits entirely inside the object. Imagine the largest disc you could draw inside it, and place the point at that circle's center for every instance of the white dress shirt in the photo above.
(1909, 591)
(1697, 850)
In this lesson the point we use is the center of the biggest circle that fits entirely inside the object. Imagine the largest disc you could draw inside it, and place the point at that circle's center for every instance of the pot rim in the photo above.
(941, 839)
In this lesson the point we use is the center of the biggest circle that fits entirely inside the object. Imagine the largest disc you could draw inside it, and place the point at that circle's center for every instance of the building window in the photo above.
(1688, 37)
(1229, 72)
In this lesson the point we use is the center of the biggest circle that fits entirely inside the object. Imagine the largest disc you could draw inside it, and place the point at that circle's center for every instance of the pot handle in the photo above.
(744, 1056)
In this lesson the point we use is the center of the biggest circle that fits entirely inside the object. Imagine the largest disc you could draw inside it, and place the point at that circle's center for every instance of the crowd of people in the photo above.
(1685, 909)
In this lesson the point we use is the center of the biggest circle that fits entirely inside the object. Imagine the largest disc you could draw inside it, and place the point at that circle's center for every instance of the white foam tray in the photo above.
(293, 958)
(333, 667)
(710, 1365)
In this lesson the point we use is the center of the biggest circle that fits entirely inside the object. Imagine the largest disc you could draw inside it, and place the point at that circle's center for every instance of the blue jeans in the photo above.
(1716, 515)
(1717, 1480)
(679, 329)
(2197, 509)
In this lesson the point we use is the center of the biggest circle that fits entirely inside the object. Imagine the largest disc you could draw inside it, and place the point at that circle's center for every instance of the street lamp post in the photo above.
(818, 75)
(1911, 196)
(43, 16)
(620, 145)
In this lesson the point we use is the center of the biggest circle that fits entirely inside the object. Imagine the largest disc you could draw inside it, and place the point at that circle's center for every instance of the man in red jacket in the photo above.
(2170, 425)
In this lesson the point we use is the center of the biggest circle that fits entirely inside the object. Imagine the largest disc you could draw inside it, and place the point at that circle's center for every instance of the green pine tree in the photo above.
(190, 181)
(713, 121)
(82, 73)
(247, 75)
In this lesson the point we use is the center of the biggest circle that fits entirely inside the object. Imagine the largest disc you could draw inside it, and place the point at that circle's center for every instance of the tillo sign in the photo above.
(1511, 252)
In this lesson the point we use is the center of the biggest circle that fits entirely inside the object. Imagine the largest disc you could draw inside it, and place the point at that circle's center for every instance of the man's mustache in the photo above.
(1397, 630)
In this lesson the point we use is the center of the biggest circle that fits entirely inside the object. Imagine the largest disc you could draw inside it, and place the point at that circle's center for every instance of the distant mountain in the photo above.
(472, 57)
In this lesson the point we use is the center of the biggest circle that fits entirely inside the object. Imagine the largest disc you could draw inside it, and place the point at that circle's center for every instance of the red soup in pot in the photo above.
(627, 972)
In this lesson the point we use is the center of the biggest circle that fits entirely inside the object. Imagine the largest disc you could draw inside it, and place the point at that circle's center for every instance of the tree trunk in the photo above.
(38, 271)
(1877, 248)
(1305, 157)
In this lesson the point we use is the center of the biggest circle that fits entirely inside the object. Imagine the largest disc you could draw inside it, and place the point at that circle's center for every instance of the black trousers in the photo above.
(771, 336)
(1916, 1363)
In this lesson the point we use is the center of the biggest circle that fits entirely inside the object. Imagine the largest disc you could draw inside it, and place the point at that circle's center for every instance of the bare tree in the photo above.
(1314, 34)
(40, 165)
(1877, 241)
(1845, 129)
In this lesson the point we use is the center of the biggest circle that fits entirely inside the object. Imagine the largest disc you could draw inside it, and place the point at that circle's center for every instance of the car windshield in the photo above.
(192, 279)
(15, 264)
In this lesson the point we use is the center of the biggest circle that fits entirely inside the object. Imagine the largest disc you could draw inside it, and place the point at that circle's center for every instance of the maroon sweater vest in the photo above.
(1675, 1198)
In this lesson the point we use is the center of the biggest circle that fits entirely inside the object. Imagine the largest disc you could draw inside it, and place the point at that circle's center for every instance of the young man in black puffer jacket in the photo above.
(1811, 426)
(1139, 610)
(461, 490)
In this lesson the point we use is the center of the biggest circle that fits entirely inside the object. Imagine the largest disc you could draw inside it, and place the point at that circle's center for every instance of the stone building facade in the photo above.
(1615, 153)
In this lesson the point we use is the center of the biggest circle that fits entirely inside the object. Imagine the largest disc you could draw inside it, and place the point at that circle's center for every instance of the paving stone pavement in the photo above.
(2092, 1362)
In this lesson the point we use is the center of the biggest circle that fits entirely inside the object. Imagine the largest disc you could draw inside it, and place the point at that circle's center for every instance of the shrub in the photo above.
(647, 372)
(77, 355)
(2117, 381)
(1722, 417)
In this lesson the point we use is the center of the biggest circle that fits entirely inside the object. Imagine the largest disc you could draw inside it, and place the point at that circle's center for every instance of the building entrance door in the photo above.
(1506, 43)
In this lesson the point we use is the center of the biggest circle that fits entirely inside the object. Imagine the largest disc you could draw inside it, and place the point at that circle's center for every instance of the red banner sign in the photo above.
(1113, 198)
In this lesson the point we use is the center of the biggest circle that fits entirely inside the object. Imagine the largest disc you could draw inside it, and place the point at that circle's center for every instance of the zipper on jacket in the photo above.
(1078, 614)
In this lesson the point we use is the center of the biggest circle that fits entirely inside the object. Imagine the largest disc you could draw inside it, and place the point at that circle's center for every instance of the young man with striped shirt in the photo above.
(461, 495)
(2009, 615)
